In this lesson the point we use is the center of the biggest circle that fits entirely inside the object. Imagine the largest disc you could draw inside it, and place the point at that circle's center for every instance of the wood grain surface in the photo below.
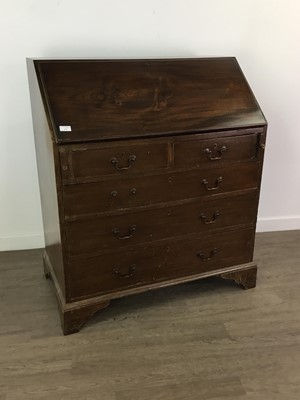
(159, 263)
(116, 194)
(146, 97)
(206, 339)
(118, 232)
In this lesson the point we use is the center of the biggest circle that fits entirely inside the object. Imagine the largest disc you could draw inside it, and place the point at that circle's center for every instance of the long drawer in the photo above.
(123, 270)
(114, 194)
(117, 232)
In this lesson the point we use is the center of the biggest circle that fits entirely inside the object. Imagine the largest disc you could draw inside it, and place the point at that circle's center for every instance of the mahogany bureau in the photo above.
(149, 175)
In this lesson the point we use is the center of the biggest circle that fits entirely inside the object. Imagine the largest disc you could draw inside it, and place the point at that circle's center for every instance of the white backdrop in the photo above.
(263, 35)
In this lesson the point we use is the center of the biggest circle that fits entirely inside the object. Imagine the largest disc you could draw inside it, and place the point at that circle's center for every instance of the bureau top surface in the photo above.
(116, 99)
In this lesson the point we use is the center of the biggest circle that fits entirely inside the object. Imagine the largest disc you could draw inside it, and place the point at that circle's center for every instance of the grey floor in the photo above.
(203, 340)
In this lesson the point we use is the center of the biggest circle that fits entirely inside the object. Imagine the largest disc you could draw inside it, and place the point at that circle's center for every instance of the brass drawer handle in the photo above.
(131, 231)
(214, 217)
(217, 183)
(115, 162)
(209, 152)
(211, 256)
(130, 273)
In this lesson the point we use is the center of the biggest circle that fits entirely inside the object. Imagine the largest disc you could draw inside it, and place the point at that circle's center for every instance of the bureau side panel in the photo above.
(261, 145)
(49, 179)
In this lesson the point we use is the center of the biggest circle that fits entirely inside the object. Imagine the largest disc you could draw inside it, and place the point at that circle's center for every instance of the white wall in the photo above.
(264, 35)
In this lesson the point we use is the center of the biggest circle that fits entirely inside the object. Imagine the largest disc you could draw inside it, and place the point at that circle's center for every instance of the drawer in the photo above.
(195, 153)
(97, 197)
(117, 232)
(79, 162)
(124, 270)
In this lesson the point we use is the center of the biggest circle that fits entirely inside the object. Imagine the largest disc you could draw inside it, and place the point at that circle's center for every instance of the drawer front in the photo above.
(81, 162)
(97, 197)
(119, 271)
(120, 231)
(195, 153)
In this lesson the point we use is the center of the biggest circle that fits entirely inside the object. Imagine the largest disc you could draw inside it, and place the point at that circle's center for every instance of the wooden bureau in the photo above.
(149, 175)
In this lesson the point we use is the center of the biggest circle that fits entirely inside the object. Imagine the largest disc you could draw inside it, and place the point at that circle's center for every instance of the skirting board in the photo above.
(278, 224)
(25, 242)
(36, 241)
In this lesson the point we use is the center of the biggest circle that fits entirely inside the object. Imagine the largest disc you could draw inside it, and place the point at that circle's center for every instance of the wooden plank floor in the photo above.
(203, 340)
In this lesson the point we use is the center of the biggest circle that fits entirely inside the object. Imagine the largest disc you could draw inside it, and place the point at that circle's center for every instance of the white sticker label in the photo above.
(65, 128)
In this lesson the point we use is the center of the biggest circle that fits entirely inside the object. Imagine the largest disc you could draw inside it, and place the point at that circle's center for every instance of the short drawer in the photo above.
(91, 161)
(117, 232)
(195, 153)
(124, 270)
(97, 197)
